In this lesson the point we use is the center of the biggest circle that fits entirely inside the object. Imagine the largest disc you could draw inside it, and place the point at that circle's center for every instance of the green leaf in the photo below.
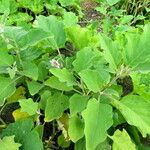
(43, 71)
(30, 70)
(7, 142)
(66, 2)
(135, 110)
(76, 128)
(32, 141)
(80, 37)
(14, 35)
(84, 59)
(63, 142)
(54, 82)
(44, 97)
(34, 37)
(122, 141)
(112, 2)
(111, 52)
(98, 119)
(70, 19)
(56, 104)
(9, 6)
(77, 104)
(20, 128)
(5, 59)
(64, 75)
(93, 79)
(27, 105)
(54, 27)
(7, 88)
(137, 48)
(34, 87)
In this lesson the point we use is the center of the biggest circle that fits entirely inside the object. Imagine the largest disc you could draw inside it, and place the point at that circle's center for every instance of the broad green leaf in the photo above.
(63, 75)
(44, 97)
(30, 54)
(14, 35)
(111, 52)
(135, 110)
(34, 87)
(32, 141)
(34, 37)
(137, 50)
(43, 71)
(77, 104)
(27, 105)
(19, 128)
(56, 104)
(122, 141)
(93, 79)
(98, 119)
(54, 82)
(5, 59)
(76, 128)
(9, 6)
(7, 142)
(54, 27)
(70, 19)
(84, 59)
(7, 88)
(30, 70)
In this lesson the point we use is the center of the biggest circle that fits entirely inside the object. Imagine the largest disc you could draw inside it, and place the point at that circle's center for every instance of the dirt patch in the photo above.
(90, 14)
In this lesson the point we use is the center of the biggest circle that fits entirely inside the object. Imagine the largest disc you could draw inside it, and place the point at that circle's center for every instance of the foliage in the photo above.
(65, 85)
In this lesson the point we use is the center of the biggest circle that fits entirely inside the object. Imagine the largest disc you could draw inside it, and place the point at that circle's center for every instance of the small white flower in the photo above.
(55, 63)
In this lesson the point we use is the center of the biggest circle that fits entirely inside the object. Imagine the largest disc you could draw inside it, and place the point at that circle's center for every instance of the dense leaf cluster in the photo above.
(66, 86)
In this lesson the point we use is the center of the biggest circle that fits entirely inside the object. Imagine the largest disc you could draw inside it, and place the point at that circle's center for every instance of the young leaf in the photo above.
(77, 104)
(76, 128)
(93, 79)
(111, 52)
(20, 128)
(135, 110)
(27, 105)
(84, 59)
(56, 104)
(137, 48)
(54, 82)
(98, 119)
(30, 70)
(34, 87)
(70, 19)
(5, 59)
(32, 141)
(122, 141)
(64, 75)
(83, 34)
(7, 88)
(7, 142)
(54, 27)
